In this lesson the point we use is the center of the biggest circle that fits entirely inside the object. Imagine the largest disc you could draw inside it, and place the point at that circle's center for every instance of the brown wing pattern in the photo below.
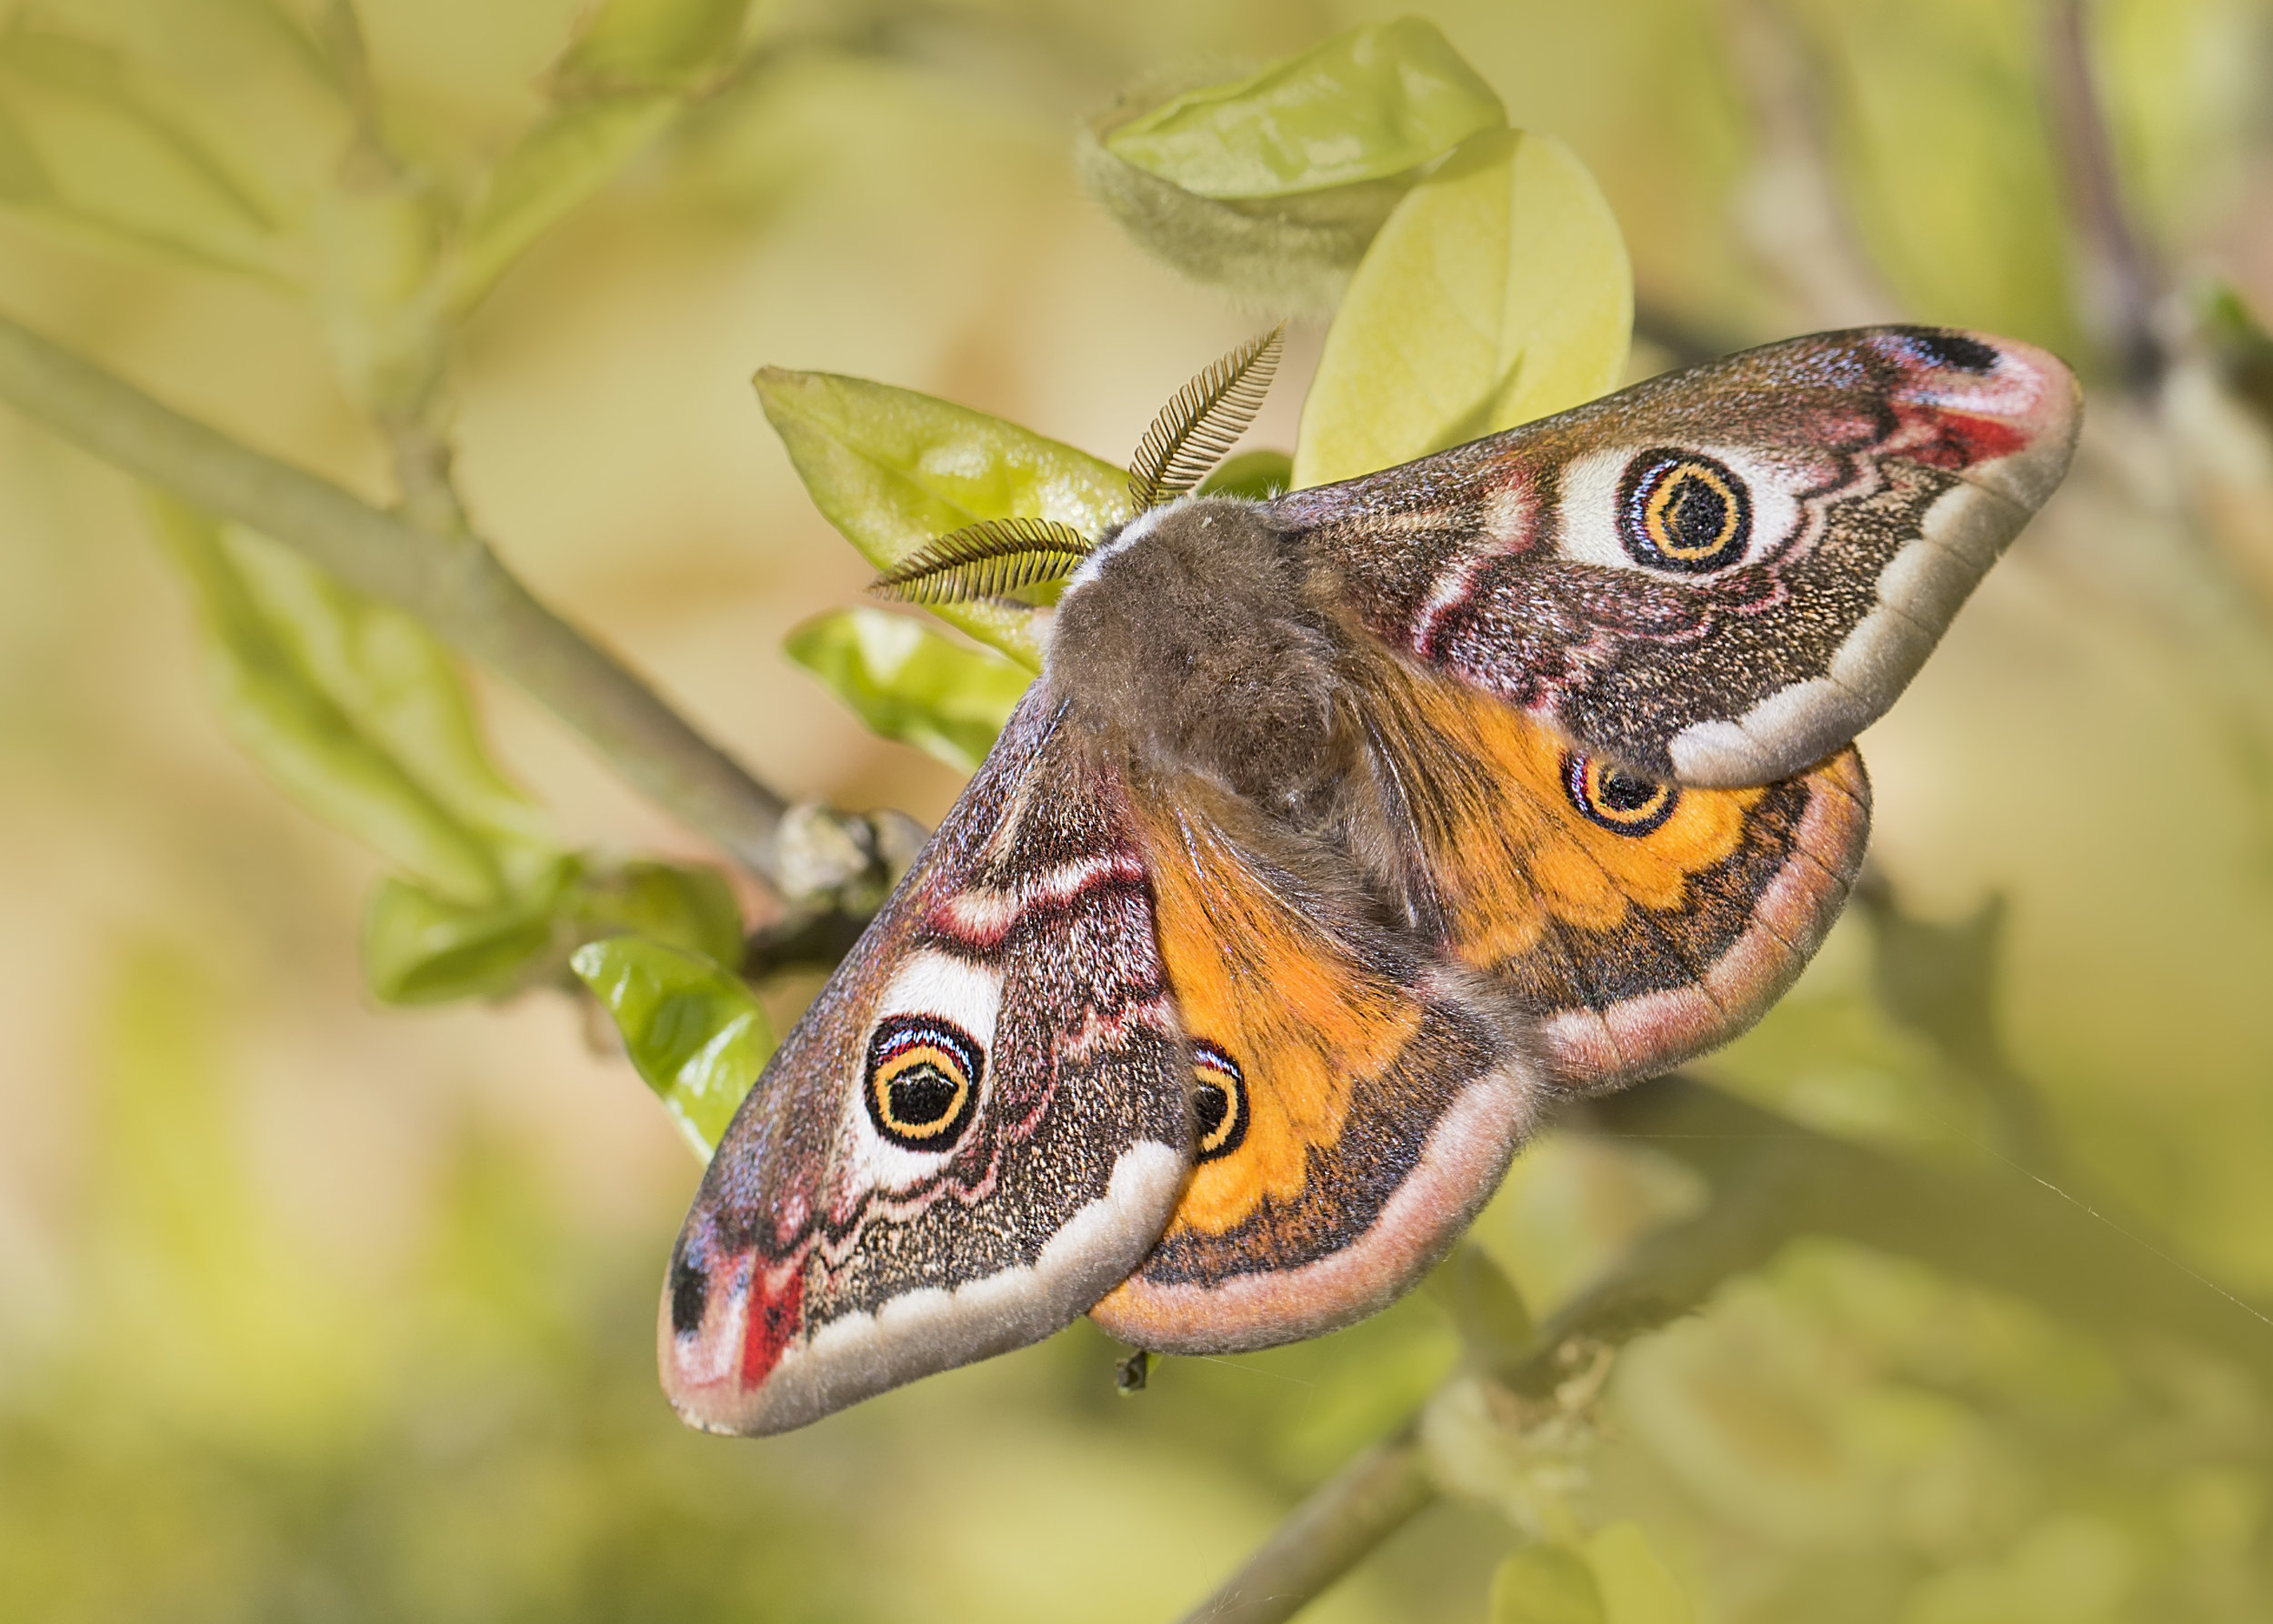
(1340, 830)
(1640, 924)
(978, 1127)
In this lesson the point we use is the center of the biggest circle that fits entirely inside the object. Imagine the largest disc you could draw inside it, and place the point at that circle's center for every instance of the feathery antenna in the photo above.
(993, 558)
(1207, 417)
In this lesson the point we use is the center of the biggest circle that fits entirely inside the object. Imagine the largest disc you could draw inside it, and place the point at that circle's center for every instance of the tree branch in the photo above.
(452, 582)
(1327, 1536)
(1772, 1180)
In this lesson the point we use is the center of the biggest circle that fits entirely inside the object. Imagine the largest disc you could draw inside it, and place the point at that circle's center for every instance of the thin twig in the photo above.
(1327, 1536)
(802, 941)
(423, 459)
(2118, 275)
(452, 582)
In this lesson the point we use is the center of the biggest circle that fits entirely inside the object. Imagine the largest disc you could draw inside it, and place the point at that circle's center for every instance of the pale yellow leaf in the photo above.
(1499, 292)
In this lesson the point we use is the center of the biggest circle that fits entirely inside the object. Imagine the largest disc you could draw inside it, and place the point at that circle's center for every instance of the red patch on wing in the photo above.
(775, 1316)
(1981, 439)
(1940, 438)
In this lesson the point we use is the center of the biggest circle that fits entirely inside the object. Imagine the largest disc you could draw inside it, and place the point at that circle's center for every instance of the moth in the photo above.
(1343, 833)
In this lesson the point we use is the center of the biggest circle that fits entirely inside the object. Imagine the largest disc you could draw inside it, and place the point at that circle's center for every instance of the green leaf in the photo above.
(1497, 292)
(650, 45)
(693, 1031)
(567, 157)
(1485, 1306)
(24, 180)
(1547, 1584)
(1294, 254)
(99, 153)
(400, 687)
(910, 683)
(691, 907)
(421, 949)
(1256, 475)
(2239, 346)
(891, 469)
(351, 709)
(1371, 102)
(1637, 1587)
(1272, 186)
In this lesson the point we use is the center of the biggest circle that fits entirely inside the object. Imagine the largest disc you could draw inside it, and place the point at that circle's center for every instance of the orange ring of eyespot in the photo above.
(1655, 486)
(904, 1045)
(1668, 490)
(1212, 1069)
(1590, 786)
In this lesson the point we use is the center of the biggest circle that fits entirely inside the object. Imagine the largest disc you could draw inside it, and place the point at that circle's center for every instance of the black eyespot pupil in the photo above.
(1621, 793)
(922, 1096)
(1696, 516)
(1219, 1107)
(690, 1295)
(922, 1081)
(1616, 801)
(1683, 511)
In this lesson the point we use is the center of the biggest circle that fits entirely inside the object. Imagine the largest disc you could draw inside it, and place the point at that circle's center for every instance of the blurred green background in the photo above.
(311, 1309)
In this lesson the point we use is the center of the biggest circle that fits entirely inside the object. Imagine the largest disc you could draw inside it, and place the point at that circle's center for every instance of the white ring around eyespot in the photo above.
(929, 983)
(1587, 505)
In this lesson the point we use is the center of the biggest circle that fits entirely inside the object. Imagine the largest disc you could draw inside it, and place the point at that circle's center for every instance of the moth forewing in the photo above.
(977, 1129)
(1721, 574)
